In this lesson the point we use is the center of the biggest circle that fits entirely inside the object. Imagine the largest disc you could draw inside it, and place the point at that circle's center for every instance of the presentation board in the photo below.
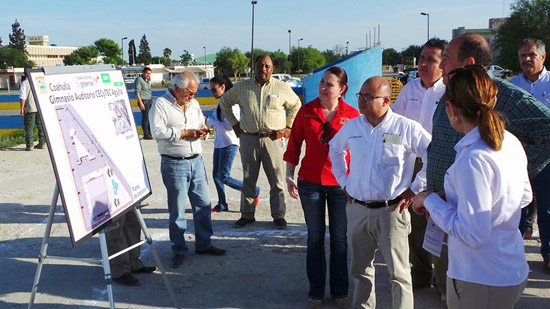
(93, 144)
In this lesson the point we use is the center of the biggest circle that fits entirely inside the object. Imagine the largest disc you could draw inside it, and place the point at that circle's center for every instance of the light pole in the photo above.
(299, 56)
(252, 45)
(428, 15)
(289, 40)
(347, 50)
(122, 48)
(204, 47)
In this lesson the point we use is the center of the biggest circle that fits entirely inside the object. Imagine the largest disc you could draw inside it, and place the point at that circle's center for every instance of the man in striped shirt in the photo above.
(263, 102)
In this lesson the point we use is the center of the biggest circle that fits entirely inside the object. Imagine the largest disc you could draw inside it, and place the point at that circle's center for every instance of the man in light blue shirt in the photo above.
(535, 79)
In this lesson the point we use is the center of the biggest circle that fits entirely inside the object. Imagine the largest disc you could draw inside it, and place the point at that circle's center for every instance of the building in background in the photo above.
(44, 55)
(488, 33)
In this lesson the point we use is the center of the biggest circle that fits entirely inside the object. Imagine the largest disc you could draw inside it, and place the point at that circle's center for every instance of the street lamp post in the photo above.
(299, 70)
(252, 45)
(427, 15)
(122, 48)
(204, 47)
(347, 50)
(289, 40)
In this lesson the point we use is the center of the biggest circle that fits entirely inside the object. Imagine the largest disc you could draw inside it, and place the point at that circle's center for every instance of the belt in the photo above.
(377, 204)
(260, 134)
(180, 158)
(273, 134)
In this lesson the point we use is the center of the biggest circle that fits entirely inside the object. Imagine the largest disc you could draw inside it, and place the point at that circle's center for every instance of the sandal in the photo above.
(315, 303)
(342, 302)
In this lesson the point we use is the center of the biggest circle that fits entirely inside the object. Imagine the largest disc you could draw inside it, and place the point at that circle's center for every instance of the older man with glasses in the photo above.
(383, 148)
(177, 124)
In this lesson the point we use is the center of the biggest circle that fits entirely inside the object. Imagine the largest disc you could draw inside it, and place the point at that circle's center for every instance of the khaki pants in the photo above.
(387, 229)
(462, 294)
(256, 151)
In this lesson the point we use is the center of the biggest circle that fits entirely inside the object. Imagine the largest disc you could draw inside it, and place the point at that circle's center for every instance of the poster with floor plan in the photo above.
(93, 144)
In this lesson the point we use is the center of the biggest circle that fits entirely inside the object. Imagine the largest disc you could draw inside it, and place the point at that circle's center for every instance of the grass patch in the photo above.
(14, 139)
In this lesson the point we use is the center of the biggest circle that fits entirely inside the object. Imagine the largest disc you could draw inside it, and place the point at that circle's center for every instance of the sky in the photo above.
(214, 24)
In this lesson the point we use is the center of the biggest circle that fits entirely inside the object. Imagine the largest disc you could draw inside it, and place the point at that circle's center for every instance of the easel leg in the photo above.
(155, 255)
(44, 248)
(106, 267)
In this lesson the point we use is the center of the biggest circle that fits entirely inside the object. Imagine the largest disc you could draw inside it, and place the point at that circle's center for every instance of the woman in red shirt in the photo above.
(316, 123)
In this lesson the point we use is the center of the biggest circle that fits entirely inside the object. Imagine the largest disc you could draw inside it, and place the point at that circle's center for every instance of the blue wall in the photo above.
(359, 66)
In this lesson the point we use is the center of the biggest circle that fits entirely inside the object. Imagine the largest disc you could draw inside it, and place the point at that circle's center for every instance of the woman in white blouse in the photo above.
(485, 189)
(226, 145)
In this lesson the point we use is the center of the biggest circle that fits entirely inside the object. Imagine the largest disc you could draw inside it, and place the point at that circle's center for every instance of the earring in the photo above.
(454, 118)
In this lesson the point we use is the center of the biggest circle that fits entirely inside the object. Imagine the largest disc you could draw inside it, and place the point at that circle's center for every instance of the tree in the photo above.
(144, 55)
(310, 59)
(238, 62)
(186, 58)
(83, 55)
(390, 57)
(161, 60)
(109, 50)
(17, 37)
(167, 53)
(339, 50)
(11, 57)
(132, 52)
(223, 62)
(280, 61)
(330, 56)
(529, 19)
(410, 52)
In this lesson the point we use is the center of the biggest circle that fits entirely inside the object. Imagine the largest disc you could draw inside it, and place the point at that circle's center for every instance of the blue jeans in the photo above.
(221, 172)
(145, 117)
(540, 187)
(314, 197)
(183, 178)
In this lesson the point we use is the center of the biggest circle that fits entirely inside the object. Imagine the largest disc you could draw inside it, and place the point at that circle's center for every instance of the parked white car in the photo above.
(287, 78)
(500, 72)
(205, 83)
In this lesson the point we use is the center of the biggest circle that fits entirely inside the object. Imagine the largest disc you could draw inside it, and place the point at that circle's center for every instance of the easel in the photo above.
(104, 254)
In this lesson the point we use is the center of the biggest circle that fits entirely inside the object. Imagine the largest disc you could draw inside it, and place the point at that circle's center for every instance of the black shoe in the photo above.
(145, 270)
(177, 260)
(280, 223)
(220, 208)
(211, 251)
(420, 286)
(148, 137)
(244, 221)
(127, 280)
(546, 266)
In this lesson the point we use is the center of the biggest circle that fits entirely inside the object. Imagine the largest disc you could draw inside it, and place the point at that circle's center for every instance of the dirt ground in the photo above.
(263, 268)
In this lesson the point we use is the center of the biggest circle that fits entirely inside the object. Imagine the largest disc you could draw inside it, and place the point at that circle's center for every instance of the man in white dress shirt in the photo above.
(383, 147)
(177, 124)
(535, 79)
(417, 101)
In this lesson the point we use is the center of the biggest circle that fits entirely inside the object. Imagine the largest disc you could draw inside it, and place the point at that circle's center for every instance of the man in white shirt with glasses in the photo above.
(383, 147)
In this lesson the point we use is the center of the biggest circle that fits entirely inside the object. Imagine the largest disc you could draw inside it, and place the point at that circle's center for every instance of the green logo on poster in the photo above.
(105, 78)
(120, 84)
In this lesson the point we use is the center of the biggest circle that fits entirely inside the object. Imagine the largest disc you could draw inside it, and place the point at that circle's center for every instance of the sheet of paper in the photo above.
(433, 239)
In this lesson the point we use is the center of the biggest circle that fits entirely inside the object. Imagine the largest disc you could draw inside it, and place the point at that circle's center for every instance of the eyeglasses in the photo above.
(214, 89)
(325, 136)
(367, 96)
(189, 93)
